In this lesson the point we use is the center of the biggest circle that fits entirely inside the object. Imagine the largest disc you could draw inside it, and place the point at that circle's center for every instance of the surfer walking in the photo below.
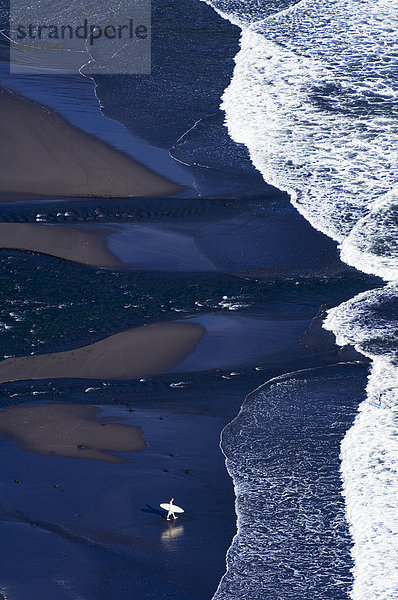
(171, 512)
(172, 509)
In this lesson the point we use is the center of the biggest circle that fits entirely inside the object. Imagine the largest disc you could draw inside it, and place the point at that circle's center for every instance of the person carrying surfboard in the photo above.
(171, 512)
(172, 509)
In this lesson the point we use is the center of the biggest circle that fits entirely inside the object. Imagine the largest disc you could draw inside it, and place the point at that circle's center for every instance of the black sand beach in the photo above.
(100, 516)
(150, 281)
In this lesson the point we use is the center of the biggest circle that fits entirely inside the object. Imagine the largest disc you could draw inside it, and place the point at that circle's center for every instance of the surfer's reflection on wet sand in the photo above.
(172, 532)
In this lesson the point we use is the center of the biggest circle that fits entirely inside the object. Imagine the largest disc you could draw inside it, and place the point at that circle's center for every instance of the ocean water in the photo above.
(283, 455)
(314, 99)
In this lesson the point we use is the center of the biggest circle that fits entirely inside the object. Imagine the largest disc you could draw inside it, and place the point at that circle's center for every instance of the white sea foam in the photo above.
(369, 450)
(368, 321)
(314, 98)
(372, 245)
(369, 455)
(315, 125)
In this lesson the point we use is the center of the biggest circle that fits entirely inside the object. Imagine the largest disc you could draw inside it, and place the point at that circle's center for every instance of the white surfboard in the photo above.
(176, 509)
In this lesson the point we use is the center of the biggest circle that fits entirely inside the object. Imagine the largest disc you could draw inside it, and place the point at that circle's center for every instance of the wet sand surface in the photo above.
(224, 237)
(94, 529)
(234, 341)
(72, 430)
(46, 155)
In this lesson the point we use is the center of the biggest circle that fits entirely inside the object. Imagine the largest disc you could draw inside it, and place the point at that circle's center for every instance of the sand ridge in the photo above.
(46, 155)
(138, 352)
(78, 244)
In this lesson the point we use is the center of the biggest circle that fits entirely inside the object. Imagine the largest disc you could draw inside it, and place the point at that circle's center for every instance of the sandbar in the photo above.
(82, 245)
(43, 154)
(138, 352)
(72, 430)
